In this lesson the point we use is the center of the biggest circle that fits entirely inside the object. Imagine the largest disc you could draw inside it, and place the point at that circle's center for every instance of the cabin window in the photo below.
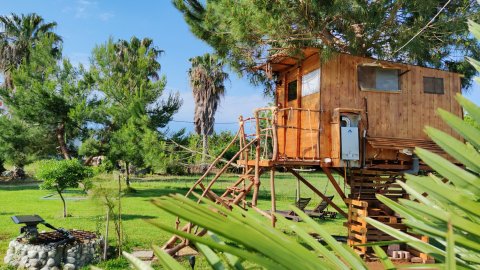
(292, 90)
(433, 85)
(378, 79)
(311, 83)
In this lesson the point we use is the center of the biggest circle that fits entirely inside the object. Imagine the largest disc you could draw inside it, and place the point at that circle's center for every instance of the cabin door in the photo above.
(299, 118)
(309, 135)
(289, 116)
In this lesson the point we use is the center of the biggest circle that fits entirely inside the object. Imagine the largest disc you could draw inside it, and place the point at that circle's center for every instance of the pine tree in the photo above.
(126, 75)
(246, 32)
(51, 94)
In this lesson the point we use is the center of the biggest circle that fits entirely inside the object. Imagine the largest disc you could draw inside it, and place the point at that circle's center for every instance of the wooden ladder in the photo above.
(235, 194)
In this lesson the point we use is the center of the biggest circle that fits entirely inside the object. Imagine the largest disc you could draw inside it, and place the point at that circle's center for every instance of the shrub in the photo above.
(61, 174)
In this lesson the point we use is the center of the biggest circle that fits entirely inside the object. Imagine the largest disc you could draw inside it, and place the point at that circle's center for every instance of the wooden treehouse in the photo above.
(357, 116)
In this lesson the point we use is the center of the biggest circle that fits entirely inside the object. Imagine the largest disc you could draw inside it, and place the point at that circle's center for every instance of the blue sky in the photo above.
(86, 23)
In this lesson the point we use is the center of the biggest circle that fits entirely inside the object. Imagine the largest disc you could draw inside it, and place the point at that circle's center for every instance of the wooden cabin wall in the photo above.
(401, 114)
(390, 114)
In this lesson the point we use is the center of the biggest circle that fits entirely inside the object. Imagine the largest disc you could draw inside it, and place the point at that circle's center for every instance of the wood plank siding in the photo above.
(391, 114)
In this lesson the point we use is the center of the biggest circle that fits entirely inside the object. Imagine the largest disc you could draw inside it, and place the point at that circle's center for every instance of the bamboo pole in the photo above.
(224, 168)
(257, 161)
(272, 195)
(274, 134)
(212, 165)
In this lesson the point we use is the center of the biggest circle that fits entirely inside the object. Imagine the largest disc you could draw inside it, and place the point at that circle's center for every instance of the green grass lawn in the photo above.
(88, 214)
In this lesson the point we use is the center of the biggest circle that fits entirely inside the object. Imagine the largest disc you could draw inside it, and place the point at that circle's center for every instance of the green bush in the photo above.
(175, 169)
(61, 174)
(105, 167)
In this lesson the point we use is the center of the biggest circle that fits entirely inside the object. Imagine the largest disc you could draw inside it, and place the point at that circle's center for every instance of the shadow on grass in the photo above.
(19, 187)
(156, 192)
(133, 216)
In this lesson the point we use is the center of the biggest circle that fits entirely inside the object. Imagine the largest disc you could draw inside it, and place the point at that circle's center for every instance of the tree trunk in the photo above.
(8, 81)
(2, 168)
(63, 201)
(60, 132)
(204, 151)
(127, 173)
(88, 161)
(18, 172)
(204, 148)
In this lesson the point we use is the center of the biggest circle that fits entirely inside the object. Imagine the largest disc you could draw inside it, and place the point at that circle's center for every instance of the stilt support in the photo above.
(303, 180)
(334, 182)
(272, 195)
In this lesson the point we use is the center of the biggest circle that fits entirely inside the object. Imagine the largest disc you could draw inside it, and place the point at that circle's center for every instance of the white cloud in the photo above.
(87, 9)
(106, 16)
(83, 8)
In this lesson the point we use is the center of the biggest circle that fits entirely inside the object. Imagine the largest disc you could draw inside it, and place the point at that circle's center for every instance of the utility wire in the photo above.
(423, 28)
(216, 123)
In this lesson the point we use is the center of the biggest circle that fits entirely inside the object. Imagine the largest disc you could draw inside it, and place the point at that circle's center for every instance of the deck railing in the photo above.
(265, 125)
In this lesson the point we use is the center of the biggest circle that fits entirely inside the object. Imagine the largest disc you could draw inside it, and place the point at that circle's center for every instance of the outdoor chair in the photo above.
(301, 203)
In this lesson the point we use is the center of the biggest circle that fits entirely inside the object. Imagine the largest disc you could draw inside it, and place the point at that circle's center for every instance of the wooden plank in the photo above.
(334, 182)
(325, 198)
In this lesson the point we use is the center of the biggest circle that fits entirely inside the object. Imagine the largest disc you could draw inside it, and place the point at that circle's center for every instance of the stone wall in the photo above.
(51, 256)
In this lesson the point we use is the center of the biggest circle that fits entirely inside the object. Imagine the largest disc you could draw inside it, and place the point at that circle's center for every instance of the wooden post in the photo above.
(297, 191)
(334, 182)
(120, 234)
(105, 243)
(299, 177)
(299, 112)
(274, 134)
(272, 194)
(257, 160)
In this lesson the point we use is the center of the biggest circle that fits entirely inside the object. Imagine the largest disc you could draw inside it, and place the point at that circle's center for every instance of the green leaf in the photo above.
(468, 132)
(450, 261)
(230, 249)
(380, 243)
(437, 253)
(439, 215)
(474, 28)
(455, 174)
(331, 258)
(458, 150)
(472, 109)
(354, 261)
(387, 263)
(136, 262)
(212, 258)
(167, 261)
(448, 196)
(233, 261)
(417, 195)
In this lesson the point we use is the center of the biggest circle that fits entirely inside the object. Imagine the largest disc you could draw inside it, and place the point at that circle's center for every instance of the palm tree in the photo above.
(207, 81)
(18, 34)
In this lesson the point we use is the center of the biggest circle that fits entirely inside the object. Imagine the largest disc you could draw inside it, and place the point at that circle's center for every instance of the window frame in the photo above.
(375, 68)
(293, 82)
(434, 91)
(317, 76)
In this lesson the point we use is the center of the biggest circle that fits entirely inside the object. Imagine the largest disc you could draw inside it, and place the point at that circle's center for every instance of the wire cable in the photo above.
(423, 28)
